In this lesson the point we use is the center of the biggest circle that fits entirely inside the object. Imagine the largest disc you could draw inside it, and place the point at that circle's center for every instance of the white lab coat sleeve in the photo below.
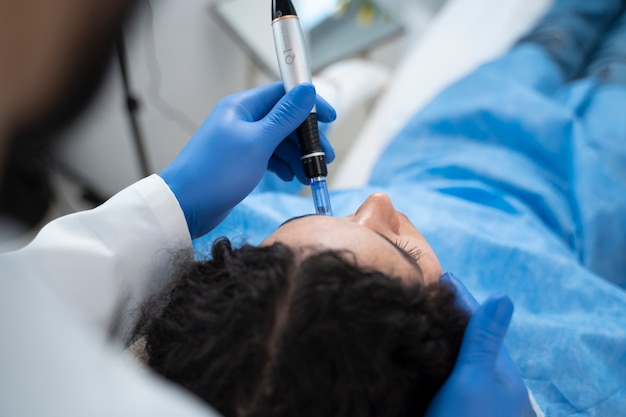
(58, 299)
(104, 262)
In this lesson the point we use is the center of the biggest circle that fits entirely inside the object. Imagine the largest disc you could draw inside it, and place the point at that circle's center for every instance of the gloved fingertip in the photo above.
(285, 175)
(304, 89)
(302, 178)
(298, 171)
(464, 298)
(328, 149)
(281, 169)
(486, 331)
(499, 307)
(447, 277)
(325, 112)
(333, 115)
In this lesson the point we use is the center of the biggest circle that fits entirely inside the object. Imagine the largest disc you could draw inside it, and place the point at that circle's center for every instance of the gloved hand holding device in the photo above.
(244, 135)
(484, 381)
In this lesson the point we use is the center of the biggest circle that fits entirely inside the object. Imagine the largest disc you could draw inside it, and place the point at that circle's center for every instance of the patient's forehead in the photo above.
(325, 232)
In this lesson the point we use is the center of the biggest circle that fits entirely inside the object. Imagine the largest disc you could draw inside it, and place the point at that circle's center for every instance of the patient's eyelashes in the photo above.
(413, 252)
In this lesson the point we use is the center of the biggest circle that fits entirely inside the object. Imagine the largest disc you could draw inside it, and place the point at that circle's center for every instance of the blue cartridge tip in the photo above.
(319, 190)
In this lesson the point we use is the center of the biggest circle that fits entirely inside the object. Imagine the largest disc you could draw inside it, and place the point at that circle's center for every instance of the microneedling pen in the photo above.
(294, 67)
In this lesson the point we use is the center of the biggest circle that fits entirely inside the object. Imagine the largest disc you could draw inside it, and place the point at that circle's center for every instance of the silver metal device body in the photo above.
(293, 61)
(291, 50)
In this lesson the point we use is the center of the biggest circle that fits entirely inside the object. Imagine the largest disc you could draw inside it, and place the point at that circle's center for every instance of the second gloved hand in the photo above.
(244, 135)
(484, 381)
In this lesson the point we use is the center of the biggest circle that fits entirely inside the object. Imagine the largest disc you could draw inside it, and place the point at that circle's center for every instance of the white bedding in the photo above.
(463, 35)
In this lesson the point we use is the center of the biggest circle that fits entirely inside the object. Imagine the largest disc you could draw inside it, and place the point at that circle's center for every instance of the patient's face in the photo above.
(379, 236)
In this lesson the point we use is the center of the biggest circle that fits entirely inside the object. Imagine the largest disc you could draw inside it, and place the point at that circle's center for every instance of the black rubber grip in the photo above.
(309, 139)
(309, 135)
(315, 166)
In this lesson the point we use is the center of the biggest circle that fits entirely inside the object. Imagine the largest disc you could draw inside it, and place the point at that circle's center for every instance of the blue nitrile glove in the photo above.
(484, 381)
(244, 135)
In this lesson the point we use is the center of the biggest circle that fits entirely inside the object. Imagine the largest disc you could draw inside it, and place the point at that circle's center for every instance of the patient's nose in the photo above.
(378, 214)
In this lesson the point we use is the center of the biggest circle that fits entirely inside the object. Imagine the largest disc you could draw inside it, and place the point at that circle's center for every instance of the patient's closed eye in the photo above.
(413, 252)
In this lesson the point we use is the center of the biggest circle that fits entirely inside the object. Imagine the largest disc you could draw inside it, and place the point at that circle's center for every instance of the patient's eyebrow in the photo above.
(296, 218)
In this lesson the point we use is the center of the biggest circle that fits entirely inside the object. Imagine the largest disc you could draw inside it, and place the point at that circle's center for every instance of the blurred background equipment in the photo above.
(175, 60)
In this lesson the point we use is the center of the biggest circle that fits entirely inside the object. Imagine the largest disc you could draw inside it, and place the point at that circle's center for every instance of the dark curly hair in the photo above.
(266, 331)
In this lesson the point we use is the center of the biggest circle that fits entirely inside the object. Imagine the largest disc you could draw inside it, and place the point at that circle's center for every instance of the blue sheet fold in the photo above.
(519, 187)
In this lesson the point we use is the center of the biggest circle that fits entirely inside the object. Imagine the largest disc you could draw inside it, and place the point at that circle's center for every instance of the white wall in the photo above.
(180, 64)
